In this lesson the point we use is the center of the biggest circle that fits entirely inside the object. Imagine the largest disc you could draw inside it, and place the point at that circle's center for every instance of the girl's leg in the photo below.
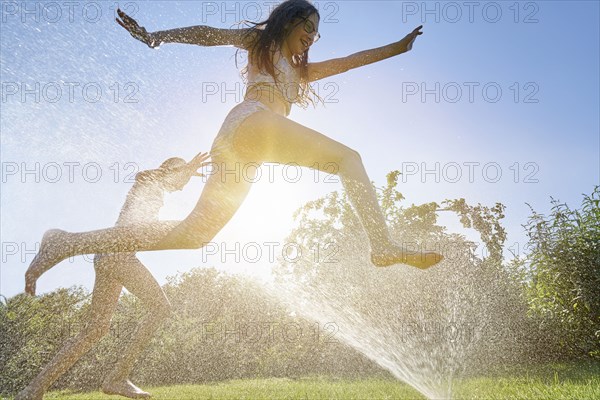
(105, 297)
(222, 195)
(267, 137)
(139, 281)
(262, 137)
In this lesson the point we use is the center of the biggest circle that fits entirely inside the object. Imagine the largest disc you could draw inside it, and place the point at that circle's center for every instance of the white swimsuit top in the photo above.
(288, 80)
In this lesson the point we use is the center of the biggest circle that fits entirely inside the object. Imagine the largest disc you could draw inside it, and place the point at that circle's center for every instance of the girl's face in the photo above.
(303, 34)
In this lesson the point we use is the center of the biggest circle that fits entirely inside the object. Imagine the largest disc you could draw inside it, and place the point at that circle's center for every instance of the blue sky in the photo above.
(541, 134)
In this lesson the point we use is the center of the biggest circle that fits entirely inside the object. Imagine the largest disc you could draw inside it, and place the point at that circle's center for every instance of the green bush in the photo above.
(211, 336)
(31, 329)
(563, 279)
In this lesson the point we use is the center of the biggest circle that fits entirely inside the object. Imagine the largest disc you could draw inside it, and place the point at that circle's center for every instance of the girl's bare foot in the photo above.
(52, 251)
(399, 255)
(124, 388)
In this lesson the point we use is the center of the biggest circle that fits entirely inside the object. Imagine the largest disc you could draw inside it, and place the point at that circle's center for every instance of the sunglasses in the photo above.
(309, 27)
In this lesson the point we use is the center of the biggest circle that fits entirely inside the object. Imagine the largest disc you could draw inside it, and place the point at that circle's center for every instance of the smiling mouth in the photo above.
(304, 43)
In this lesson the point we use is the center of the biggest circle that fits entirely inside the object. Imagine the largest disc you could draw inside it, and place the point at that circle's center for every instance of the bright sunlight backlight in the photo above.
(256, 235)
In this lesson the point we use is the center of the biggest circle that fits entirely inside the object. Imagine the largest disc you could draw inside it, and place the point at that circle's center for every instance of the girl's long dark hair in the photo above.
(268, 36)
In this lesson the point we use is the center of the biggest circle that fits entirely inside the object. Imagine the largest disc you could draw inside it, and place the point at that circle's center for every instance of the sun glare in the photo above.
(267, 211)
(254, 240)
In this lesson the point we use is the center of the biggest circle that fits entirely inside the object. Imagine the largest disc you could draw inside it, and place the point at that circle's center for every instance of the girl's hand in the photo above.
(198, 162)
(137, 31)
(410, 38)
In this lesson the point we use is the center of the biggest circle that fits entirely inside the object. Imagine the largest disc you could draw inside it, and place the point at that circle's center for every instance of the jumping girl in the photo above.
(255, 131)
(115, 271)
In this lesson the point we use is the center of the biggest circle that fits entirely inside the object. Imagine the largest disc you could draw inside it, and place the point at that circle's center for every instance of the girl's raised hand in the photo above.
(137, 31)
(198, 162)
(198, 159)
(410, 38)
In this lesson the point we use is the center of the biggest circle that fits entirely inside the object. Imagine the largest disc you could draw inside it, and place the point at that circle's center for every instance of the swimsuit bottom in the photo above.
(223, 146)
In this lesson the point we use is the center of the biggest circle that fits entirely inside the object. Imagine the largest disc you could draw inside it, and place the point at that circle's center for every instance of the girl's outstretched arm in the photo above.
(336, 66)
(200, 35)
(203, 35)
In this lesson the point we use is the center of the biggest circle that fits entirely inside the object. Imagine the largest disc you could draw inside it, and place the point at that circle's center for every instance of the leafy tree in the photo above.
(458, 316)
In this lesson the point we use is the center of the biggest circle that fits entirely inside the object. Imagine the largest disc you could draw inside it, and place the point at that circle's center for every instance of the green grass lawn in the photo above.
(562, 381)
(553, 382)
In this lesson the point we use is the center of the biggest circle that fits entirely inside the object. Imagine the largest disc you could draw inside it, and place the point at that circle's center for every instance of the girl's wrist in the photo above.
(402, 46)
(156, 39)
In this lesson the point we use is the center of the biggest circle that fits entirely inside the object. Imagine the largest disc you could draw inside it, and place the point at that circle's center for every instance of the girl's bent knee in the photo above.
(351, 160)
